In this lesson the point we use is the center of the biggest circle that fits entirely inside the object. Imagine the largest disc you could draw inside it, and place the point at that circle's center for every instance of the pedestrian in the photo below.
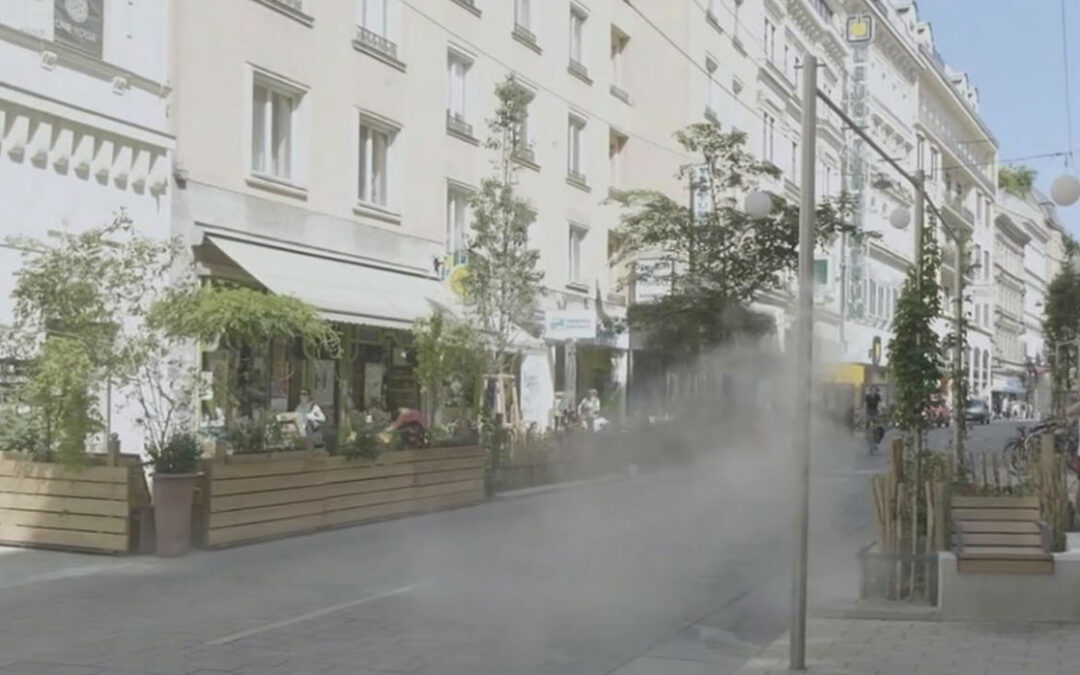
(589, 409)
(309, 417)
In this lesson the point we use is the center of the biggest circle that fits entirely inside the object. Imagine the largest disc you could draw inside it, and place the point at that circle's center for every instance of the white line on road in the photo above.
(233, 637)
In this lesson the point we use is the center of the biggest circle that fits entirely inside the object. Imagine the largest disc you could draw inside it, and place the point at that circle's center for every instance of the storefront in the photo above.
(373, 307)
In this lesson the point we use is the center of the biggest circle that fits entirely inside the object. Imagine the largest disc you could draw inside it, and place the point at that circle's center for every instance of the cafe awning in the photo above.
(342, 290)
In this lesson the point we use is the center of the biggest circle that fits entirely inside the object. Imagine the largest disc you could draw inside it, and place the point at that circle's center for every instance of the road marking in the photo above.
(233, 637)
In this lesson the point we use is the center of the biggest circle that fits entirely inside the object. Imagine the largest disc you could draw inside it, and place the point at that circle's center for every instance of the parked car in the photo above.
(977, 411)
(939, 413)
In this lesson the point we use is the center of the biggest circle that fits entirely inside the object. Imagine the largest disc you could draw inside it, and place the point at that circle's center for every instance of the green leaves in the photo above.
(915, 362)
(1061, 327)
(180, 455)
(1016, 180)
(722, 258)
(449, 354)
(503, 283)
(238, 316)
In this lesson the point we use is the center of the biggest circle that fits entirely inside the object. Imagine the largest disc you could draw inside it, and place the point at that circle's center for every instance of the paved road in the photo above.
(612, 578)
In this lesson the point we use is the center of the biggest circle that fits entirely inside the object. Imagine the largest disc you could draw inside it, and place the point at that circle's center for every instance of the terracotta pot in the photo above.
(173, 494)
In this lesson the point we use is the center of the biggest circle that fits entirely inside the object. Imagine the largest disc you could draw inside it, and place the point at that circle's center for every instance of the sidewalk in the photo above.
(877, 647)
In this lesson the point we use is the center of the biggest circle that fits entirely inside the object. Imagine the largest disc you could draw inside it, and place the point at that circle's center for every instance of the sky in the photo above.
(1012, 50)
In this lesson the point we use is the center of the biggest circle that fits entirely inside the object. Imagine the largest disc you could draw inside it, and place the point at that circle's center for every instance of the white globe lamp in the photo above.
(758, 204)
(1065, 190)
(900, 218)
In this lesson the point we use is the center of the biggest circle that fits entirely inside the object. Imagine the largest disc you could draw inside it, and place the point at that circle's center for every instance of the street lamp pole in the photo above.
(958, 354)
(805, 360)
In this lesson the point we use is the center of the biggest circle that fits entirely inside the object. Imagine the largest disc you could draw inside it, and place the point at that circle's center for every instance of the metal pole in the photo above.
(804, 360)
(843, 294)
(958, 356)
(920, 216)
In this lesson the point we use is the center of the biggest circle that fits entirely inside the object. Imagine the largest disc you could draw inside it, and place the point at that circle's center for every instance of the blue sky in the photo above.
(1012, 51)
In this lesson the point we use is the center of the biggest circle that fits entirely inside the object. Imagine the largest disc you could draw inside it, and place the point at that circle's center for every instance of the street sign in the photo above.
(570, 324)
(652, 280)
(860, 28)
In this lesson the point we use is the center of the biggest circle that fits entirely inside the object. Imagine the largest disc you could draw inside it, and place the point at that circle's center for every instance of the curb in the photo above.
(878, 612)
(560, 487)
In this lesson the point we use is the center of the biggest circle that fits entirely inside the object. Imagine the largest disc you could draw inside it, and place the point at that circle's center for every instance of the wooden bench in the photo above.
(999, 535)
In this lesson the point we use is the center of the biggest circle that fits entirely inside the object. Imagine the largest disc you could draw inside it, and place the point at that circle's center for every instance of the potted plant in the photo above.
(175, 472)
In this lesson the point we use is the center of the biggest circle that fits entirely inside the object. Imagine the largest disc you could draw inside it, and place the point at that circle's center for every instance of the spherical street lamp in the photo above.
(900, 217)
(1065, 190)
(758, 204)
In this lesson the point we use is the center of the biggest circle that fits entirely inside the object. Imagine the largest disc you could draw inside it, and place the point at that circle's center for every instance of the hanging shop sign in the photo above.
(570, 324)
(79, 24)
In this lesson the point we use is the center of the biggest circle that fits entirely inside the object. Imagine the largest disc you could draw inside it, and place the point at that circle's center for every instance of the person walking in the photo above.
(589, 409)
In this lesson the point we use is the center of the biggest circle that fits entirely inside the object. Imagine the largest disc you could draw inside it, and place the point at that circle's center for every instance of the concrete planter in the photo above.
(173, 496)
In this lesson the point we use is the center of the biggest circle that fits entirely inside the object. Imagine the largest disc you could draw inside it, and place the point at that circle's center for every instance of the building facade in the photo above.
(84, 93)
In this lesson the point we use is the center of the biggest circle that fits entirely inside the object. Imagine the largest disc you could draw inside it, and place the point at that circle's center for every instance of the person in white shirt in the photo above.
(589, 409)
(309, 415)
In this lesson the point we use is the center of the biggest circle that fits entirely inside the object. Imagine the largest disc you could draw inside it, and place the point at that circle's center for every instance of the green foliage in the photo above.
(237, 316)
(260, 434)
(180, 454)
(80, 302)
(915, 363)
(723, 258)
(449, 359)
(503, 282)
(1061, 328)
(365, 439)
(1016, 180)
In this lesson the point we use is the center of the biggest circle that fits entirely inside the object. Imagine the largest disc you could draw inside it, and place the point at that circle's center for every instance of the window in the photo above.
(920, 152)
(796, 72)
(892, 302)
(882, 306)
(712, 95)
(577, 238)
(523, 13)
(575, 156)
(457, 77)
(821, 272)
(577, 30)
(768, 136)
(525, 134)
(978, 209)
(376, 162)
(457, 222)
(374, 16)
(616, 145)
(872, 296)
(794, 160)
(986, 265)
(935, 163)
(273, 128)
(619, 43)
(769, 41)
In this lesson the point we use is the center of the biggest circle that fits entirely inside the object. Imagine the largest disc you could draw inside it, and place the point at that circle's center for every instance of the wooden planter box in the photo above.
(253, 497)
(93, 508)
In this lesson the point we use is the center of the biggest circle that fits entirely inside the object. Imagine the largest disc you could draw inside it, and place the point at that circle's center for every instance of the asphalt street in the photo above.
(600, 579)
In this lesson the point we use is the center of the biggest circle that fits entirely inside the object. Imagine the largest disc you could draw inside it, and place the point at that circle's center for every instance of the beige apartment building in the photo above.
(327, 149)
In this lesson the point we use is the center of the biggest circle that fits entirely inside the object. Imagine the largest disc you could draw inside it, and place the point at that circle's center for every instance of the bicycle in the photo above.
(873, 428)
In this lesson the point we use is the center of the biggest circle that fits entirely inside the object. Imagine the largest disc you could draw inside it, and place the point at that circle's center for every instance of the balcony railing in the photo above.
(456, 122)
(577, 68)
(957, 204)
(823, 10)
(524, 34)
(525, 155)
(376, 42)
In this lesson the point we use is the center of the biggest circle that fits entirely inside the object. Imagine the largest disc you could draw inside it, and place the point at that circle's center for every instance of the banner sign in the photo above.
(859, 108)
(570, 324)
(79, 24)
(652, 280)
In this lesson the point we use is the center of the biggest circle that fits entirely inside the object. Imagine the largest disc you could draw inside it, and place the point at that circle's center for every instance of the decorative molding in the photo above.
(82, 152)
(377, 212)
(120, 85)
(273, 184)
(54, 53)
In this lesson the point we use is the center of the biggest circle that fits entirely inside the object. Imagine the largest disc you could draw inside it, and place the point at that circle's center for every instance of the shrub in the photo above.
(181, 454)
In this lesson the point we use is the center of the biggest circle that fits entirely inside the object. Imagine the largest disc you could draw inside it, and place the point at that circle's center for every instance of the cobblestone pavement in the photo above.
(581, 582)
(874, 647)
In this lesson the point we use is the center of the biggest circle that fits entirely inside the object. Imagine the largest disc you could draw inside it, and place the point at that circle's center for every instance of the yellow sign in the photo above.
(860, 28)
(457, 278)
(846, 373)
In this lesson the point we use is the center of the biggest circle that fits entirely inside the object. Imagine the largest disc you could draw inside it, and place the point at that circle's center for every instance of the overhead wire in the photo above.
(1068, 93)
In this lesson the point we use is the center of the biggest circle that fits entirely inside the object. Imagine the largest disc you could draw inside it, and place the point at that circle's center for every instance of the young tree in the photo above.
(80, 305)
(1061, 328)
(915, 362)
(719, 259)
(503, 282)
(448, 354)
